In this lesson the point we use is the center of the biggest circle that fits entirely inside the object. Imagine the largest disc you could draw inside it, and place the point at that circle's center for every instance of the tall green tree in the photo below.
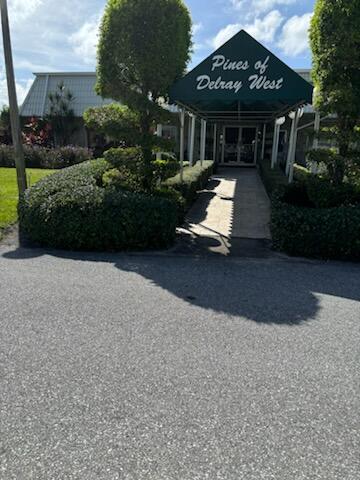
(144, 48)
(61, 115)
(335, 43)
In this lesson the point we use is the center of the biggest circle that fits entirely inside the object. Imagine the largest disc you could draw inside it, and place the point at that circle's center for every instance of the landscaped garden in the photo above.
(134, 197)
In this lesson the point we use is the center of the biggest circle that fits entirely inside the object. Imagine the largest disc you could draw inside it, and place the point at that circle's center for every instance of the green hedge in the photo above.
(40, 157)
(194, 179)
(329, 233)
(299, 228)
(272, 178)
(72, 210)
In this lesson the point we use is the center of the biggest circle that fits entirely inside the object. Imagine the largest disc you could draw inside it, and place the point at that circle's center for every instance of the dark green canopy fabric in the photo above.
(241, 79)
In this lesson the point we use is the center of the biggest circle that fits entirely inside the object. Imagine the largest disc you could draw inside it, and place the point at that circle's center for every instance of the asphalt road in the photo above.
(164, 368)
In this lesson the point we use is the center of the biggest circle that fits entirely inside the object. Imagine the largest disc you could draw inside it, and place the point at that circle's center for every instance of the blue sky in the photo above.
(61, 35)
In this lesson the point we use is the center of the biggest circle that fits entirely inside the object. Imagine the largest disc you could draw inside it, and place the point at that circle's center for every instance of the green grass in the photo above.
(9, 193)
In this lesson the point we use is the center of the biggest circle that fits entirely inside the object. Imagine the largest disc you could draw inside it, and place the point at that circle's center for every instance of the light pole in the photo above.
(14, 109)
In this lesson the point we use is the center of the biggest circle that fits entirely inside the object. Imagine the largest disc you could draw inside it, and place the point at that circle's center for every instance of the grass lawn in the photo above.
(9, 193)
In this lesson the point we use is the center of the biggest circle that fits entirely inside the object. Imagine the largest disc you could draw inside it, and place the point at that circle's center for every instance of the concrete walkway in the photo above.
(234, 206)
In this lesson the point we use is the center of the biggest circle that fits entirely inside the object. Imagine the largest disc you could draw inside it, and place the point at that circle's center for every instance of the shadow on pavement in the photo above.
(235, 224)
(274, 291)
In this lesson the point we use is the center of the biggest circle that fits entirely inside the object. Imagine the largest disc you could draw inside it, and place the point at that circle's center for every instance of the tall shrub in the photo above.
(144, 48)
(335, 43)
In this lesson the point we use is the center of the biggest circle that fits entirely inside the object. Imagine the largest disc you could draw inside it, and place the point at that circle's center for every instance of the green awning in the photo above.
(242, 79)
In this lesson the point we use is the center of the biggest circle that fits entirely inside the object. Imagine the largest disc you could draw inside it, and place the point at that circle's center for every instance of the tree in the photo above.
(61, 116)
(335, 43)
(115, 121)
(144, 48)
(5, 126)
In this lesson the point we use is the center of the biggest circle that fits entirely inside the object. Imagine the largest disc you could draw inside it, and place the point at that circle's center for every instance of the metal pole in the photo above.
(14, 109)
(275, 148)
(192, 140)
(263, 143)
(182, 143)
(203, 141)
(215, 142)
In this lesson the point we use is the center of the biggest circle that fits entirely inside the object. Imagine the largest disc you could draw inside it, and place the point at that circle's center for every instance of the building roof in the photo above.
(80, 84)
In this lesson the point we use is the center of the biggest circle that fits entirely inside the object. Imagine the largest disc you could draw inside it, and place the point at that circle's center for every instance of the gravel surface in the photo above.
(164, 368)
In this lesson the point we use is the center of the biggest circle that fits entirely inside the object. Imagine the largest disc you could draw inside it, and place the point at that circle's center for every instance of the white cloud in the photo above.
(40, 31)
(85, 40)
(262, 29)
(197, 27)
(22, 89)
(255, 7)
(19, 10)
(225, 34)
(294, 38)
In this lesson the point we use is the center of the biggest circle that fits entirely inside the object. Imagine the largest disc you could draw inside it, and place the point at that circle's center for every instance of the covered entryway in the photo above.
(240, 94)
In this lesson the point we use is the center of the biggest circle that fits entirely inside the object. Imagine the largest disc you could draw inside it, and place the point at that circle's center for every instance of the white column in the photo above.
(275, 147)
(298, 115)
(293, 116)
(263, 143)
(215, 142)
(192, 140)
(182, 143)
(189, 137)
(159, 132)
(203, 141)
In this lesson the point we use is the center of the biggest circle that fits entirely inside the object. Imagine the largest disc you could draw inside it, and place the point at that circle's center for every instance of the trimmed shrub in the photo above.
(195, 178)
(40, 157)
(72, 210)
(273, 178)
(166, 168)
(329, 233)
(123, 179)
(176, 197)
(301, 174)
(130, 157)
(325, 195)
(311, 217)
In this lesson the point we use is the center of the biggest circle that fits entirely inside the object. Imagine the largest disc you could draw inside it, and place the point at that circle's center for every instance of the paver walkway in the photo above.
(234, 206)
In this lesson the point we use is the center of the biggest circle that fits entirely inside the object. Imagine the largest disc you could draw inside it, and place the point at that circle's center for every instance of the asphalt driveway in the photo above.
(164, 368)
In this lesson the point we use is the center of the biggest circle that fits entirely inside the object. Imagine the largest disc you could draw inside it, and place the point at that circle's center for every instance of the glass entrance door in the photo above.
(239, 146)
(231, 145)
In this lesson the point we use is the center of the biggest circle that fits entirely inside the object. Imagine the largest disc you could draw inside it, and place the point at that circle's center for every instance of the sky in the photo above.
(61, 35)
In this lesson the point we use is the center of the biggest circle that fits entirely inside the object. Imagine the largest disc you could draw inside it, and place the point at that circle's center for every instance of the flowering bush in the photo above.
(37, 132)
(40, 157)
